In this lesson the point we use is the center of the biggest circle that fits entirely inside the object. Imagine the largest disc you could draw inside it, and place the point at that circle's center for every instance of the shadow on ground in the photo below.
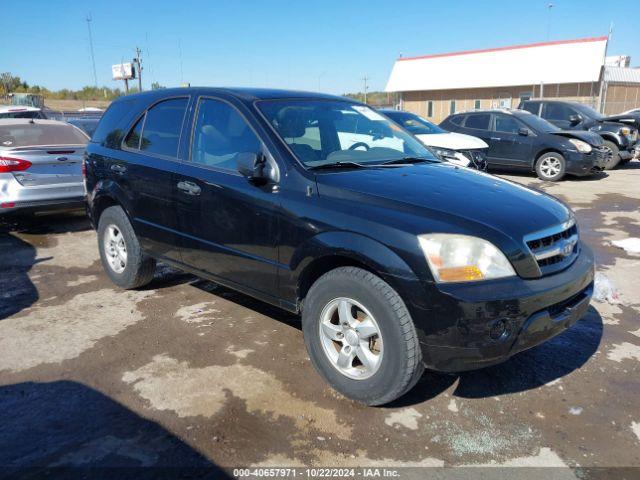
(67, 430)
(17, 291)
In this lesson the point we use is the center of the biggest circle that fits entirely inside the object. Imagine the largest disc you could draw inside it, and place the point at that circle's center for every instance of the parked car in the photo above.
(13, 111)
(394, 259)
(518, 139)
(40, 165)
(456, 148)
(87, 124)
(619, 139)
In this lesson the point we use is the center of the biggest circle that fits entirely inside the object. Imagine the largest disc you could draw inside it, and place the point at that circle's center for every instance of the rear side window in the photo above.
(40, 134)
(478, 122)
(533, 107)
(162, 126)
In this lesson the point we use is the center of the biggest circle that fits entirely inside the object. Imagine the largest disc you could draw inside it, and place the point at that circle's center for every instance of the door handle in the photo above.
(496, 138)
(120, 169)
(189, 188)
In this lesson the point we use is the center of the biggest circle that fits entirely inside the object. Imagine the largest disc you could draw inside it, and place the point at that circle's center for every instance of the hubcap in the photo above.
(550, 166)
(115, 249)
(351, 338)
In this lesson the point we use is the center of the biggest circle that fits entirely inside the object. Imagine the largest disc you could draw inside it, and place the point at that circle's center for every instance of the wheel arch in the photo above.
(541, 153)
(331, 250)
(105, 195)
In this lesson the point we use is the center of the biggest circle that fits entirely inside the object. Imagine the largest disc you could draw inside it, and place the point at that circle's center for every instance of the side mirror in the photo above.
(252, 167)
(575, 119)
(523, 131)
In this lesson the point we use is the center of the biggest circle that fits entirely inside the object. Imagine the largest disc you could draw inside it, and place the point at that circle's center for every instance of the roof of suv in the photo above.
(508, 111)
(245, 94)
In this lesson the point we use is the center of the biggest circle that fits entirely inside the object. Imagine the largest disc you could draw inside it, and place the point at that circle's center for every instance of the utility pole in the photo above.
(139, 64)
(365, 79)
(93, 58)
(549, 7)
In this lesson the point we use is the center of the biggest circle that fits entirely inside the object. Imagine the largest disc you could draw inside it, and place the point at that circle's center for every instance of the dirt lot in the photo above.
(187, 373)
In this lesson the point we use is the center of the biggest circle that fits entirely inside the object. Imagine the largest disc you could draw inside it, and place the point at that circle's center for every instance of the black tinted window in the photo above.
(533, 107)
(507, 124)
(133, 138)
(479, 121)
(162, 127)
(108, 131)
(456, 119)
(220, 135)
(557, 111)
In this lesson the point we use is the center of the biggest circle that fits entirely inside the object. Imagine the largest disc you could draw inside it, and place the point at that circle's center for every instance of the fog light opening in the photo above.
(499, 330)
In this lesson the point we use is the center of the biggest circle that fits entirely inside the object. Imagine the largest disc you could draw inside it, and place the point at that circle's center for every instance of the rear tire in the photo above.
(614, 155)
(551, 167)
(340, 303)
(122, 258)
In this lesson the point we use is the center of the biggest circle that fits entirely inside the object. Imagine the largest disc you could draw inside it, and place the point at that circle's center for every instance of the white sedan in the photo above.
(457, 148)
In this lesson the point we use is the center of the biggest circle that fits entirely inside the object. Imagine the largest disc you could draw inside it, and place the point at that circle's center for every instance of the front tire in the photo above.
(551, 167)
(360, 336)
(122, 258)
(613, 156)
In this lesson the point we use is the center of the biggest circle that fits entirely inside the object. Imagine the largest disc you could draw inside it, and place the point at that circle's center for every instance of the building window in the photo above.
(452, 107)
(476, 104)
(524, 96)
(430, 108)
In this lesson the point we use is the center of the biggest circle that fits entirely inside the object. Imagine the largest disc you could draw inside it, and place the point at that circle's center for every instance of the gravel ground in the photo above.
(185, 373)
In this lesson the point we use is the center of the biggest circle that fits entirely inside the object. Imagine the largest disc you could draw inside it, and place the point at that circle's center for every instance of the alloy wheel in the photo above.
(351, 338)
(115, 248)
(550, 167)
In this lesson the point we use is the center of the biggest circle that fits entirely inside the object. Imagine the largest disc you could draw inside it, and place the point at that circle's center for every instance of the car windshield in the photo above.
(413, 123)
(538, 124)
(324, 132)
(588, 111)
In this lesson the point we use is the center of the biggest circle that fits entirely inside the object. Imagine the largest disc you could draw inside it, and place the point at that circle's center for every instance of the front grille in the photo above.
(554, 248)
(478, 158)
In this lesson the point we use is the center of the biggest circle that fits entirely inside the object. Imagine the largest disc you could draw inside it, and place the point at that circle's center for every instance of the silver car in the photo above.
(40, 165)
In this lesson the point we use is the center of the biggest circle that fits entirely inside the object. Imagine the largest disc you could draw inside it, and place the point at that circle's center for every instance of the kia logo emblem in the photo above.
(566, 248)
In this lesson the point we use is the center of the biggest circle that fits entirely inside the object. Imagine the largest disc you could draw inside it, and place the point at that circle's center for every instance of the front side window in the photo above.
(557, 111)
(321, 132)
(507, 124)
(161, 132)
(479, 122)
(220, 135)
(532, 107)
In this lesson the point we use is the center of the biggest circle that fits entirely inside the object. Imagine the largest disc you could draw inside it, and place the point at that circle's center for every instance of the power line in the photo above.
(93, 58)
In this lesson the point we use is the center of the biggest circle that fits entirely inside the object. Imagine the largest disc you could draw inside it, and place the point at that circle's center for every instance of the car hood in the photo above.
(591, 138)
(448, 198)
(632, 119)
(453, 141)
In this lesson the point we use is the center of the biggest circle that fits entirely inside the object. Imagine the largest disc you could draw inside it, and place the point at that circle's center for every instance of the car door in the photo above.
(560, 115)
(228, 226)
(145, 173)
(509, 145)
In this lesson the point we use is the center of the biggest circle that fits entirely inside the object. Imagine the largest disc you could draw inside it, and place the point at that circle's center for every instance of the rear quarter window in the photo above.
(113, 124)
(532, 107)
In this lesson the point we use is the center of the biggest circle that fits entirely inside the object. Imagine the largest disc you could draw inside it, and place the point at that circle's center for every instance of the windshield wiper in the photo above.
(410, 160)
(327, 166)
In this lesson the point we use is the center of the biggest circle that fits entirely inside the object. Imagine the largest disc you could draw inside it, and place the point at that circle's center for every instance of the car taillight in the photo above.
(13, 164)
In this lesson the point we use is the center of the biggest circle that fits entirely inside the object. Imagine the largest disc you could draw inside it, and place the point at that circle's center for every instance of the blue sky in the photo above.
(327, 44)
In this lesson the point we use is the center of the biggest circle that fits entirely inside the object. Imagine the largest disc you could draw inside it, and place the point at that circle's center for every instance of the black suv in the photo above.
(366, 234)
(619, 139)
(520, 140)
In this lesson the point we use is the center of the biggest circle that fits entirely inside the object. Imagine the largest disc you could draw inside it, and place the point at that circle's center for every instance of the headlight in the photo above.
(582, 147)
(625, 131)
(461, 258)
(445, 152)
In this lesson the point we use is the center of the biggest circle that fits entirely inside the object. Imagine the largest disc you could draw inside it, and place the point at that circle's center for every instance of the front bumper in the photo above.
(481, 324)
(584, 163)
